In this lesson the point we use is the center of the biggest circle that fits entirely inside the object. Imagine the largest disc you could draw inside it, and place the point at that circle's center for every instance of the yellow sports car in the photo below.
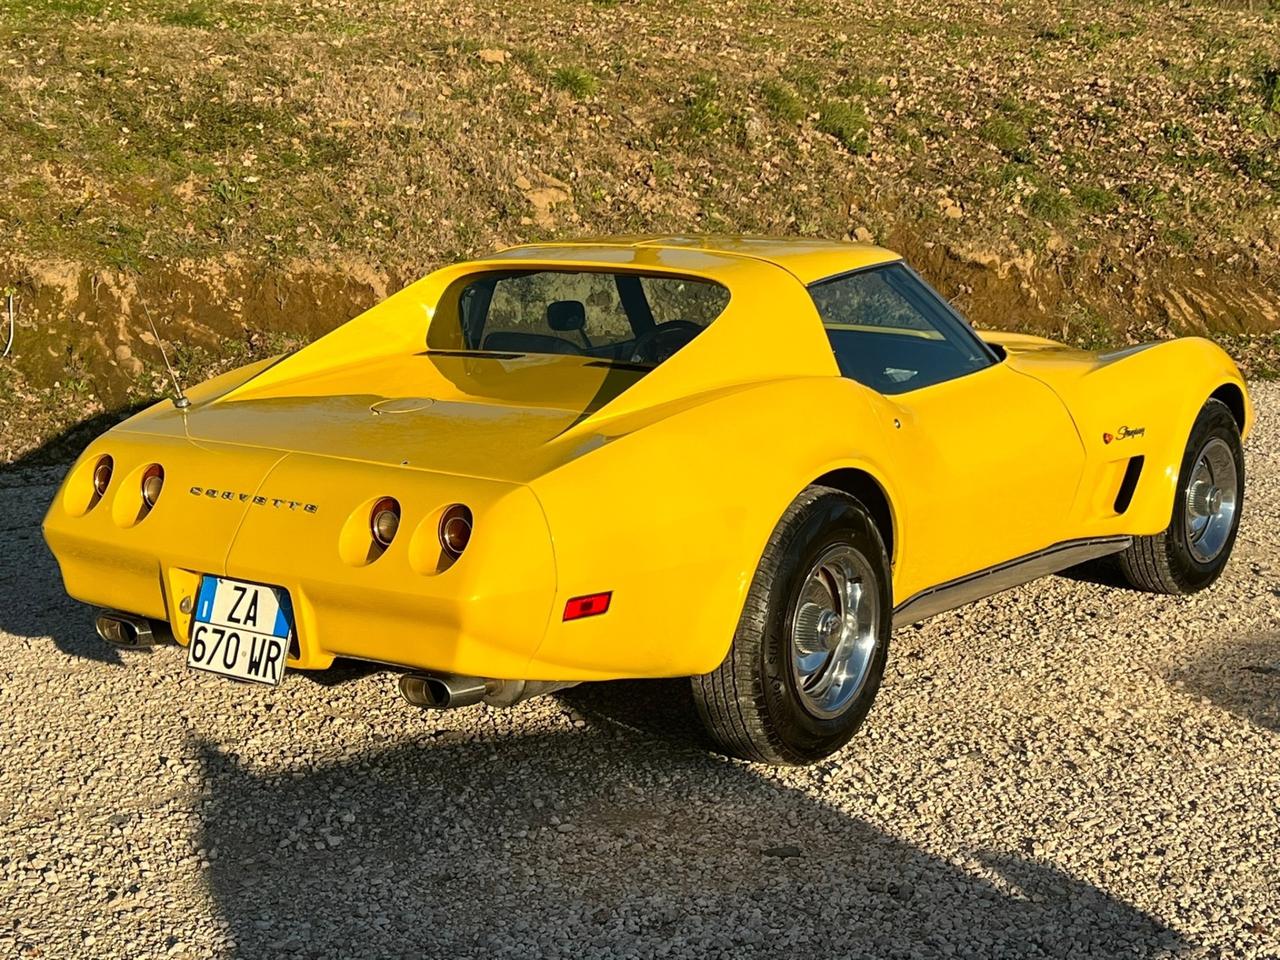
(738, 460)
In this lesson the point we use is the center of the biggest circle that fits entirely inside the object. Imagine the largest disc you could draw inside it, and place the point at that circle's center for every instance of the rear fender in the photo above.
(674, 517)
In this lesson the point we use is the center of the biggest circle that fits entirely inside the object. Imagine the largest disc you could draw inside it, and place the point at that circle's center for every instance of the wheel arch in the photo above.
(1173, 416)
(867, 490)
(1232, 396)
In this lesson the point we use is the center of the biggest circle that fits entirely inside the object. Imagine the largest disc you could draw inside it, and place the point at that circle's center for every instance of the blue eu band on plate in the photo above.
(240, 630)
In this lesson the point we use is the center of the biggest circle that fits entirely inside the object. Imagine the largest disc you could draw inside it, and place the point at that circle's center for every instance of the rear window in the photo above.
(628, 317)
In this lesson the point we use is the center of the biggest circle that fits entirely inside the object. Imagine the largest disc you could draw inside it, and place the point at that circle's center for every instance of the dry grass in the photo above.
(1073, 150)
(398, 131)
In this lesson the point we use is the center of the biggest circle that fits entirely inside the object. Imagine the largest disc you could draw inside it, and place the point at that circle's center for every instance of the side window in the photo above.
(892, 333)
(673, 298)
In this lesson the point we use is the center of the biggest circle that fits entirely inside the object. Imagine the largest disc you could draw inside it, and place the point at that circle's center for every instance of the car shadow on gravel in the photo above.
(1104, 572)
(608, 842)
(35, 604)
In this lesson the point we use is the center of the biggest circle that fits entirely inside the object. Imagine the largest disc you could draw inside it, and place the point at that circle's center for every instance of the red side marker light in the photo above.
(592, 605)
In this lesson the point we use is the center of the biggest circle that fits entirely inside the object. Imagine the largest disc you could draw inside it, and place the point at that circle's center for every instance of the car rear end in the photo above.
(303, 526)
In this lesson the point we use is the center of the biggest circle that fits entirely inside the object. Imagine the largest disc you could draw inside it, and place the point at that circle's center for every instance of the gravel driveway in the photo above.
(1068, 770)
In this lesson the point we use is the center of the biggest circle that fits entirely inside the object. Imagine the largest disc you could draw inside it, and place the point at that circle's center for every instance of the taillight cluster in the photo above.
(453, 529)
(102, 471)
(150, 480)
(384, 521)
(152, 484)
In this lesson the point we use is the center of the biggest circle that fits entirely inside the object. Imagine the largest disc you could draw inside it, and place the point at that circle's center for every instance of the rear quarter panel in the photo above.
(673, 517)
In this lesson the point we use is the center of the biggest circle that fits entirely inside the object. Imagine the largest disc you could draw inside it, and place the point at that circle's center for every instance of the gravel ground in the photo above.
(1067, 770)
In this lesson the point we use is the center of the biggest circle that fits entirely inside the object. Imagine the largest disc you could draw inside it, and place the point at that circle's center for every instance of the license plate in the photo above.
(240, 630)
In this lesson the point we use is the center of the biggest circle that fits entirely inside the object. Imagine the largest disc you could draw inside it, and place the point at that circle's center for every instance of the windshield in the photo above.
(624, 317)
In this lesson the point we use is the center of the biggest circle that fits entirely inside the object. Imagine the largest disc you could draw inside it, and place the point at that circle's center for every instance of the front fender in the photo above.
(1138, 401)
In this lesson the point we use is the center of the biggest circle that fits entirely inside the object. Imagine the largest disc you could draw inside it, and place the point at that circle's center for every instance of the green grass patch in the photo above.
(1269, 87)
(782, 101)
(1097, 200)
(1050, 204)
(576, 81)
(703, 114)
(847, 122)
(805, 77)
(196, 15)
(1084, 327)
(861, 87)
(1093, 35)
(1006, 136)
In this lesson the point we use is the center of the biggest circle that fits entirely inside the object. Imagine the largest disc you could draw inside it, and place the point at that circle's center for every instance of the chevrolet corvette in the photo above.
(742, 461)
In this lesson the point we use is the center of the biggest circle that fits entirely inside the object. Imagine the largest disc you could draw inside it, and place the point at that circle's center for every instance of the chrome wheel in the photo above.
(1211, 497)
(834, 630)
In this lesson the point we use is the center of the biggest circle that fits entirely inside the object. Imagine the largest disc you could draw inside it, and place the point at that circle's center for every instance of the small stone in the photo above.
(786, 850)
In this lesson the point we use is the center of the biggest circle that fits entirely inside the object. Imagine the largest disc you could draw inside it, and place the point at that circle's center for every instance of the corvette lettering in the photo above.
(254, 499)
(1124, 433)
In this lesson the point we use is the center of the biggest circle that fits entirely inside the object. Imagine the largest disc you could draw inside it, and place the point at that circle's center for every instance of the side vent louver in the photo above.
(1129, 483)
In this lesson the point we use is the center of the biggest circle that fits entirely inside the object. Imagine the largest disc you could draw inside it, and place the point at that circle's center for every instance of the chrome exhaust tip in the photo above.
(442, 691)
(124, 630)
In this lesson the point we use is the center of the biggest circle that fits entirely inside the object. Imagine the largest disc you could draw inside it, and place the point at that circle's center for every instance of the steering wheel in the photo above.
(661, 341)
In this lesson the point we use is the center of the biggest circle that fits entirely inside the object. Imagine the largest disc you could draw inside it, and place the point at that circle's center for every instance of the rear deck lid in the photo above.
(494, 416)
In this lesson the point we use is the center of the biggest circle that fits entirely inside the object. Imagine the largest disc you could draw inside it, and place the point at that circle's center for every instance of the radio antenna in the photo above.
(180, 398)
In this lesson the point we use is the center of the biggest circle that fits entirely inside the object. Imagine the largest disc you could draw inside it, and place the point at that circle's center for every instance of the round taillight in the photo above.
(384, 521)
(455, 530)
(102, 475)
(152, 484)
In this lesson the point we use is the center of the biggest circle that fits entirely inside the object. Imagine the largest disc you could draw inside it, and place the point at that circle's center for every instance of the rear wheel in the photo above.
(1193, 550)
(810, 648)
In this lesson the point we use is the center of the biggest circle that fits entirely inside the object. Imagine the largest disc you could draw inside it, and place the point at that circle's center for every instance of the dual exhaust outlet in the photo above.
(447, 691)
(434, 691)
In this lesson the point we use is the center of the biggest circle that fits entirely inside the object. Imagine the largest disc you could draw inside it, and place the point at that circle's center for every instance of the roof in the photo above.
(808, 260)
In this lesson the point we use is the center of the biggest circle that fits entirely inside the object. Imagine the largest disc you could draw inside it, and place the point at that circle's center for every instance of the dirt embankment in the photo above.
(97, 324)
(83, 348)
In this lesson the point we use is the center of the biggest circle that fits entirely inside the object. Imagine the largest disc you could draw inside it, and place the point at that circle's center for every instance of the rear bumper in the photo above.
(484, 614)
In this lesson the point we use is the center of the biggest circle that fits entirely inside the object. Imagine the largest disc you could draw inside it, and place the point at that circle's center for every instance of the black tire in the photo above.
(751, 704)
(1166, 561)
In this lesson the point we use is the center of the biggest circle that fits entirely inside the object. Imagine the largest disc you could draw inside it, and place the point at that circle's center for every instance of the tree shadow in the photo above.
(35, 603)
(63, 447)
(1242, 676)
(608, 842)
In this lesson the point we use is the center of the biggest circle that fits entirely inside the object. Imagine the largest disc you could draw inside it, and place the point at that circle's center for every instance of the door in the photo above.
(987, 459)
